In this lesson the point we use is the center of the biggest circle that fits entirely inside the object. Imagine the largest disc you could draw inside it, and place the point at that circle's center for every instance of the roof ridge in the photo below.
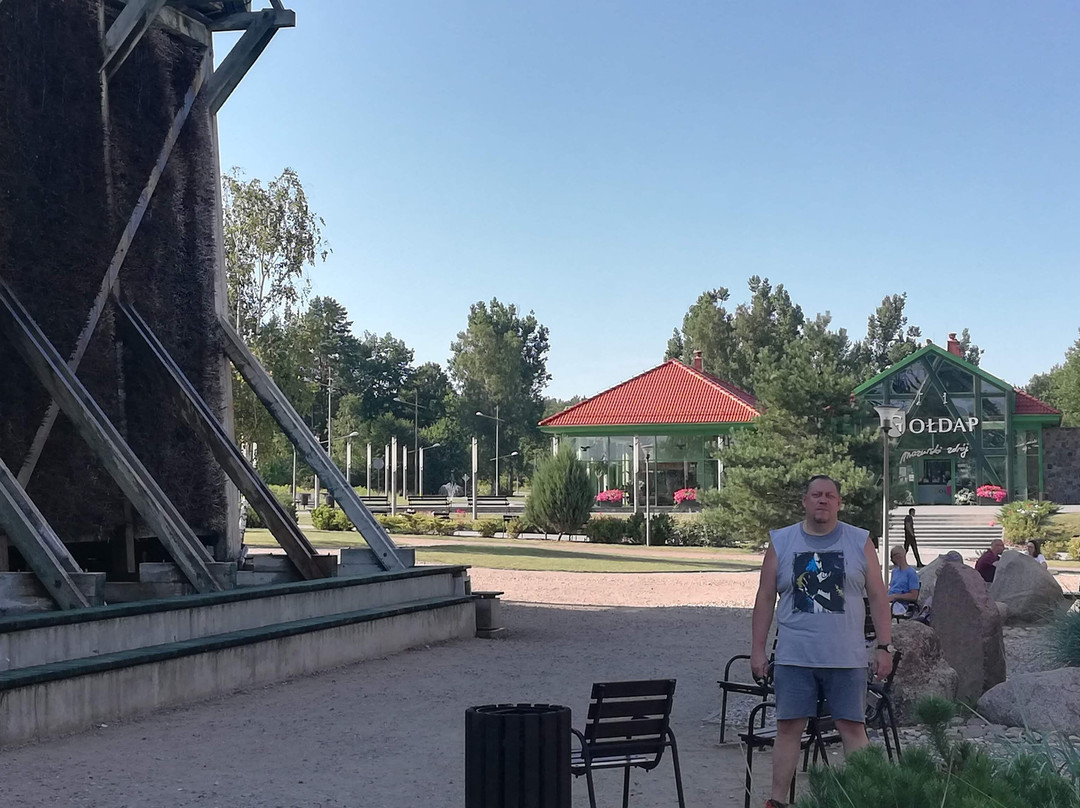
(587, 399)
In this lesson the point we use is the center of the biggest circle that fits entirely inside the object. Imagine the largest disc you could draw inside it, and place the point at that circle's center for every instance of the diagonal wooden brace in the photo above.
(126, 31)
(101, 436)
(38, 544)
(260, 29)
(200, 418)
(386, 552)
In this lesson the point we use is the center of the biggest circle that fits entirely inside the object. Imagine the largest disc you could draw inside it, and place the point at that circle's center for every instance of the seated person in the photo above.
(986, 566)
(903, 585)
(1035, 551)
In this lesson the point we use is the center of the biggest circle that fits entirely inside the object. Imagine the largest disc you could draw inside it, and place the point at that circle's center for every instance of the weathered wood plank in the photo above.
(23, 592)
(129, 591)
(294, 428)
(244, 53)
(126, 31)
(167, 572)
(202, 421)
(38, 544)
(101, 436)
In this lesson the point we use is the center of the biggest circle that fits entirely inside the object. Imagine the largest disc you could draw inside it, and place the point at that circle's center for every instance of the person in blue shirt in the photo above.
(904, 583)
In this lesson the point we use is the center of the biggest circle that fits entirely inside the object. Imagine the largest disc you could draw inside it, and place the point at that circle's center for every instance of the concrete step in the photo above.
(74, 694)
(49, 637)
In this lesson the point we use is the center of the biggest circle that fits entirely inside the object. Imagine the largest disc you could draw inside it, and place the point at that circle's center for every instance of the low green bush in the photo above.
(1072, 547)
(489, 527)
(326, 518)
(606, 529)
(1025, 519)
(283, 494)
(399, 523)
(445, 527)
(635, 528)
(661, 529)
(946, 775)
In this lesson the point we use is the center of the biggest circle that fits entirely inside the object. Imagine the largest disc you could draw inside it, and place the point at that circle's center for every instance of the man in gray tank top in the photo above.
(821, 569)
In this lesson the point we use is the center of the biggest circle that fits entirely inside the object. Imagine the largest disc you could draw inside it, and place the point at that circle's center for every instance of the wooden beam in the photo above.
(235, 66)
(103, 439)
(199, 417)
(242, 21)
(126, 31)
(386, 552)
(112, 273)
(36, 541)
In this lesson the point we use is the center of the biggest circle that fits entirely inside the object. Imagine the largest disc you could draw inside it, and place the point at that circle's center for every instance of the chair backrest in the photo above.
(629, 718)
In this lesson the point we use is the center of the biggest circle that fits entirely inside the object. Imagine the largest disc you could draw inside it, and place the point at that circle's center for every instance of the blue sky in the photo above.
(603, 163)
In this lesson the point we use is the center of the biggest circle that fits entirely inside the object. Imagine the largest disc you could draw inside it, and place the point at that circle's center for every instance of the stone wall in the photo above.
(1061, 462)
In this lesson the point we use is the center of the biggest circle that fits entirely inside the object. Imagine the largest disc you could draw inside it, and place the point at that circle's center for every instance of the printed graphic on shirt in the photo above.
(818, 582)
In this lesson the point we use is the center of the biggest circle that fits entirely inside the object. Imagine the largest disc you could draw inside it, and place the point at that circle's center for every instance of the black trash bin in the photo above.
(517, 755)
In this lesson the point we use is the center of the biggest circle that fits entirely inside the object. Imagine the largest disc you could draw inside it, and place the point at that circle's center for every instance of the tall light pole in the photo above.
(892, 426)
(420, 468)
(498, 421)
(496, 458)
(348, 456)
(648, 514)
(416, 427)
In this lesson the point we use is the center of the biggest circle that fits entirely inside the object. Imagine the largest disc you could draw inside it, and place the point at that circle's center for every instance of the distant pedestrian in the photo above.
(909, 537)
(1035, 552)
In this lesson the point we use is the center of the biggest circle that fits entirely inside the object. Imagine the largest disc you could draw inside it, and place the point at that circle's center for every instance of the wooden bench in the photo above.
(376, 504)
(436, 504)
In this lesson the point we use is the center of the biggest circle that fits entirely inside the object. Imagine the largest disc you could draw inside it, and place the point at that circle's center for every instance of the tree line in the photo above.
(367, 385)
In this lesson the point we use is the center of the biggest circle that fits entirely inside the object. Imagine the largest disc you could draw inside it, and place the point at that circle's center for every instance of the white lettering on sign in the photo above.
(960, 449)
(917, 426)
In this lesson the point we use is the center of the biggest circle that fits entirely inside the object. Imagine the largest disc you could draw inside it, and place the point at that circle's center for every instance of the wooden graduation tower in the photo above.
(115, 382)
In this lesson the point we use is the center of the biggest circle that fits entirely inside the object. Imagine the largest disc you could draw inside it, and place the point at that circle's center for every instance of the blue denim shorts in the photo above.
(798, 690)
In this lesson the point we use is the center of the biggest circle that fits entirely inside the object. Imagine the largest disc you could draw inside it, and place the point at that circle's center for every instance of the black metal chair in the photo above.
(761, 690)
(821, 731)
(628, 727)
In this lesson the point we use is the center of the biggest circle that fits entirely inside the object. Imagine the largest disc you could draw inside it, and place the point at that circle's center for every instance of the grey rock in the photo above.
(1027, 588)
(922, 671)
(969, 628)
(928, 574)
(1048, 701)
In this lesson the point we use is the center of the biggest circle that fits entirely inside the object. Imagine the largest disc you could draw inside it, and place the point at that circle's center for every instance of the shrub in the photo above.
(708, 497)
(1051, 547)
(1065, 639)
(635, 528)
(661, 529)
(445, 527)
(489, 527)
(423, 524)
(516, 526)
(401, 523)
(703, 529)
(283, 494)
(606, 529)
(561, 494)
(326, 518)
(1025, 519)
(951, 775)
(1073, 548)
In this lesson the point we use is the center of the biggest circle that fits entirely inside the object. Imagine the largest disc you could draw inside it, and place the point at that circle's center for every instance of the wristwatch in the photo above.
(888, 649)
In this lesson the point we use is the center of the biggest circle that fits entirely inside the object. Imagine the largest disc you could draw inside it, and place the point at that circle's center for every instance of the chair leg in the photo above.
(678, 771)
(592, 788)
(626, 788)
(723, 715)
(749, 772)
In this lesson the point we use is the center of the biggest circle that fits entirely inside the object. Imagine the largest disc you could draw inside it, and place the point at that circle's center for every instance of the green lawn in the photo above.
(1065, 525)
(520, 554)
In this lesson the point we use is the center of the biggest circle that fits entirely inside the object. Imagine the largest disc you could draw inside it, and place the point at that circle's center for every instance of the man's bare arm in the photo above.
(764, 607)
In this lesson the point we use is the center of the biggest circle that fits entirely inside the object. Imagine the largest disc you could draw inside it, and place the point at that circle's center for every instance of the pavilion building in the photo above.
(677, 416)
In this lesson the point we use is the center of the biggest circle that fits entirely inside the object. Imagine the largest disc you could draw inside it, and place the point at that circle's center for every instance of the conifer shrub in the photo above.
(945, 774)
(327, 518)
(561, 495)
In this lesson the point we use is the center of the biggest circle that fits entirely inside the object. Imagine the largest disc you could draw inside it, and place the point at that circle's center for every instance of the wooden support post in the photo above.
(293, 426)
(108, 283)
(103, 439)
(233, 68)
(126, 31)
(199, 417)
(36, 541)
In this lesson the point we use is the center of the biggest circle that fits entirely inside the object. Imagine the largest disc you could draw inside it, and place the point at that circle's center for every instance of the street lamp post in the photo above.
(348, 456)
(892, 426)
(416, 427)
(648, 513)
(498, 421)
(420, 468)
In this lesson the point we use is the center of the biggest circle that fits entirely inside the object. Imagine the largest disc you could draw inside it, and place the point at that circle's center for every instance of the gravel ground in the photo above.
(389, 732)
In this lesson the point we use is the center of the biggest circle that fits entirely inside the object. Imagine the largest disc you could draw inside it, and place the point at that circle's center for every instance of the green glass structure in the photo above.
(962, 429)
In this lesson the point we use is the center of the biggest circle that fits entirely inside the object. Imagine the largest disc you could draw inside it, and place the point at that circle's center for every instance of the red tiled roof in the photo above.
(671, 393)
(1027, 404)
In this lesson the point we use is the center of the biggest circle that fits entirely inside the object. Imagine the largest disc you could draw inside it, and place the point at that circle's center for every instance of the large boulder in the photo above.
(928, 574)
(1045, 701)
(922, 671)
(1032, 594)
(968, 626)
